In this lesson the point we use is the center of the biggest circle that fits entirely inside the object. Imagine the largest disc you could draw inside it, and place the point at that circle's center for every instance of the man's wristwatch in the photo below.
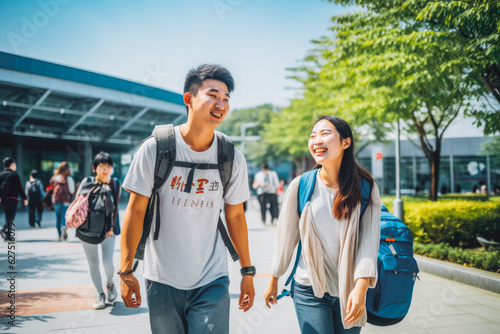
(248, 271)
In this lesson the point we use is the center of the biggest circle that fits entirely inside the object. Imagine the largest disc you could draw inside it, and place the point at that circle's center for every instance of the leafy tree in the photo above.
(475, 23)
(258, 151)
(491, 147)
(380, 67)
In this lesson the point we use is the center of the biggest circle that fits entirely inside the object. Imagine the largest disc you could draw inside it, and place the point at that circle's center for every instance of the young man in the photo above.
(267, 182)
(10, 189)
(186, 268)
(35, 193)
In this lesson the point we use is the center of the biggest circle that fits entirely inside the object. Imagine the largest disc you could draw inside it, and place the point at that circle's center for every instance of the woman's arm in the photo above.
(369, 240)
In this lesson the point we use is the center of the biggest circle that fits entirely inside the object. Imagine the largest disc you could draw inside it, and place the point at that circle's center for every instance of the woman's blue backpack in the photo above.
(389, 302)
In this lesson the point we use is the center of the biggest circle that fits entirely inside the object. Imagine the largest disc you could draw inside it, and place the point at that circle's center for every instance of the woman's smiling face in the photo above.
(325, 143)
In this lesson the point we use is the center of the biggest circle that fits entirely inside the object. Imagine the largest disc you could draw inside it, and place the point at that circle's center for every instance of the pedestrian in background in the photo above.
(64, 187)
(35, 193)
(10, 190)
(101, 225)
(267, 182)
(338, 262)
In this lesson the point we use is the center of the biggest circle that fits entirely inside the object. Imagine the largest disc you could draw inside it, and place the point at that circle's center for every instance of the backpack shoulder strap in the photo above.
(366, 191)
(165, 153)
(225, 158)
(165, 156)
(306, 188)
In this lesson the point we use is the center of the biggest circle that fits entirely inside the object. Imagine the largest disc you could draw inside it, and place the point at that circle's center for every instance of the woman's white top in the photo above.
(328, 228)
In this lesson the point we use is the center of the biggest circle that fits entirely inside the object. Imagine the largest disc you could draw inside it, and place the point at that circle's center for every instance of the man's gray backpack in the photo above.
(165, 161)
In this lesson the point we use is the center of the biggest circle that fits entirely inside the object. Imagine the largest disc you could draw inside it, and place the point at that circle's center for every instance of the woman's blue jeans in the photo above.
(318, 315)
(204, 310)
(60, 209)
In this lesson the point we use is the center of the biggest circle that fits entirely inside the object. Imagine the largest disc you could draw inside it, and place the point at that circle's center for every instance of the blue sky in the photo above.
(157, 41)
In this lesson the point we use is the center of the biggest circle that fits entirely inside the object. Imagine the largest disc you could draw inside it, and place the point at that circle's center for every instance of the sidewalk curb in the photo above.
(476, 277)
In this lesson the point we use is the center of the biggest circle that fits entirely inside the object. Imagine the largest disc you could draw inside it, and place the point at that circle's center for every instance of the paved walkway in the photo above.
(54, 293)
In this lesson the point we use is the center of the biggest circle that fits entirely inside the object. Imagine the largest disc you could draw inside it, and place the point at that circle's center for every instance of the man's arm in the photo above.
(133, 223)
(237, 228)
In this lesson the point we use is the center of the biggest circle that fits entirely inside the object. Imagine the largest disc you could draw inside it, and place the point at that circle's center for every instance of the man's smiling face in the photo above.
(211, 103)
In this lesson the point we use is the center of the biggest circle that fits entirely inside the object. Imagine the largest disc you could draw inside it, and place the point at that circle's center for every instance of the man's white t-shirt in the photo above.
(189, 252)
(328, 228)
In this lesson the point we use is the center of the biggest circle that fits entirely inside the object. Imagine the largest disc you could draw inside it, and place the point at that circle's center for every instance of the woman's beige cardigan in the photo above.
(359, 242)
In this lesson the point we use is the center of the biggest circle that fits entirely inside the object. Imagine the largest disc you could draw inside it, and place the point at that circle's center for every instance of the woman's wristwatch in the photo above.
(248, 271)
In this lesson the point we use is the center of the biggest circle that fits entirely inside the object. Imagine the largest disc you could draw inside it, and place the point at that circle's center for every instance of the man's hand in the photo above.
(129, 287)
(133, 223)
(25, 202)
(247, 293)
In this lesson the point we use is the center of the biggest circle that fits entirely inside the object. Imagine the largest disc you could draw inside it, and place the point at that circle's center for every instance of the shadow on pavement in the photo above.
(31, 265)
(20, 320)
(119, 309)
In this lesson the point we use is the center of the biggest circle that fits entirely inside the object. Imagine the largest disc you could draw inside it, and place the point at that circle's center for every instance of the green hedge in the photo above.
(456, 223)
(482, 260)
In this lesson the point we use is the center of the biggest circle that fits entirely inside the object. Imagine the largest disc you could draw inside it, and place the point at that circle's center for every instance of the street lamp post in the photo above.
(398, 202)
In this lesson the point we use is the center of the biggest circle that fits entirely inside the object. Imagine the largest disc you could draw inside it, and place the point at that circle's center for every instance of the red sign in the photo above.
(378, 156)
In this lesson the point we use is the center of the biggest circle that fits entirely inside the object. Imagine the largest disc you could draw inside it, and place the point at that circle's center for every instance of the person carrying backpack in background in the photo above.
(34, 190)
(101, 225)
(338, 261)
(186, 268)
(10, 190)
(64, 187)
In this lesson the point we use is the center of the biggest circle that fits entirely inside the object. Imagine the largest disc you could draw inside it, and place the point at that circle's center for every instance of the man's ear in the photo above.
(188, 98)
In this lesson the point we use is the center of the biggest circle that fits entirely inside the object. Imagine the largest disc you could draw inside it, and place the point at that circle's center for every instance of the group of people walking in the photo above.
(62, 189)
(185, 241)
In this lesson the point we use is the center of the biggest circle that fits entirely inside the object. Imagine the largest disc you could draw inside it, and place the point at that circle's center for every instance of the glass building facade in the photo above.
(460, 169)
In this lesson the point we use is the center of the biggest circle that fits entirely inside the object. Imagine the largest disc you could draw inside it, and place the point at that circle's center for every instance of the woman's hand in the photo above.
(109, 233)
(357, 300)
(271, 293)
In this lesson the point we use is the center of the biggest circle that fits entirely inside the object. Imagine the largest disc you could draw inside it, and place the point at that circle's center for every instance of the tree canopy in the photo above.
(475, 23)
(379, 66)
(258, 151)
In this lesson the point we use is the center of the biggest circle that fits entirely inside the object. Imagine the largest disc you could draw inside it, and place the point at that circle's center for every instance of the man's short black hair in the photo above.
(34, 174)
(264, 166)
(102, 158)
(196, 76)
(7, 162)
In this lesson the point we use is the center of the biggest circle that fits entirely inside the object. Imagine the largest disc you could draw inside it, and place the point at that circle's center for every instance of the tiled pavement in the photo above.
(54, 293)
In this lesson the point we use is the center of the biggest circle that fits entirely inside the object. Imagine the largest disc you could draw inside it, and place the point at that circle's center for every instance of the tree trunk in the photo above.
(435, 163)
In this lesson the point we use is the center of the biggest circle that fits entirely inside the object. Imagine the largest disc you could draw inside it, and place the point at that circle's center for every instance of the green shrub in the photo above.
(468, 197)
(456, 223)
(487, 260)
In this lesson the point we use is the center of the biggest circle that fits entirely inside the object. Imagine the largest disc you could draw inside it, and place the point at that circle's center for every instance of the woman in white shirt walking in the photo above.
(338, 262)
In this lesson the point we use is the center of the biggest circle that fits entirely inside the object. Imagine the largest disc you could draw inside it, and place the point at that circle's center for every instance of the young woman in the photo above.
(101, 224)
(338, 262)
(64, 187)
